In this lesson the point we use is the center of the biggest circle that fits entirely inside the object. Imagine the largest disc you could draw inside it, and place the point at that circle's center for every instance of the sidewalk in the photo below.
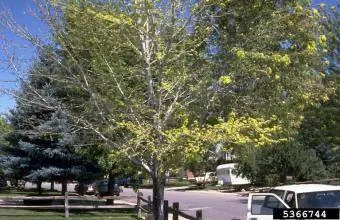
(188, 189)
(178, 188)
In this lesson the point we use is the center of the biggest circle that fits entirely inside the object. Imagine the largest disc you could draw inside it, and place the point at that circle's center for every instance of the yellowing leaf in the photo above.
(240, 54)
(323, 40)
(311, 46)
(299, 8)
(224, 80)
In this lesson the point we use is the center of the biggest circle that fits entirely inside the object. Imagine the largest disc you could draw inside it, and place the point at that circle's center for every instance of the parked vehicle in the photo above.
(226, 176)
(261, 205)
(87, 189)
(101, 188)
(208, 177)
(126, 182)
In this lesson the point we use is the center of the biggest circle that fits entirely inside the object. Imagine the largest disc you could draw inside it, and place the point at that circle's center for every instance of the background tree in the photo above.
(269, 166)
(320, 130)
(42, 136)
(274, 52)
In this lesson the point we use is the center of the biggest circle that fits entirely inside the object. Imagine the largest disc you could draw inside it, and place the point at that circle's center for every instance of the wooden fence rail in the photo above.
(66, 205)
(167, 209)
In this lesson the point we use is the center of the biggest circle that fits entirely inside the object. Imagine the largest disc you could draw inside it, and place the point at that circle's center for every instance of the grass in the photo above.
(17, 214)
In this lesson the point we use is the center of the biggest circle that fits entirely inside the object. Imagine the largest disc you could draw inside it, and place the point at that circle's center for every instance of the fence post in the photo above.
(166, 209)
(199, 215)
(66, 205)
(175, 208)
(149, 204)
(139, 210)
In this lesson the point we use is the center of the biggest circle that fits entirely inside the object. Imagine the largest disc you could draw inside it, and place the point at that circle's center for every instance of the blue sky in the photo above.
(22, 12)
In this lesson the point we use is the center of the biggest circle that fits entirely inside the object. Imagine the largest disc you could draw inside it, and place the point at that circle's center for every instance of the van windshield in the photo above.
(322, 199)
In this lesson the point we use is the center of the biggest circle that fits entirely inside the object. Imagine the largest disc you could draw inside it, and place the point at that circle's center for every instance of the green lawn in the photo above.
(17, 214)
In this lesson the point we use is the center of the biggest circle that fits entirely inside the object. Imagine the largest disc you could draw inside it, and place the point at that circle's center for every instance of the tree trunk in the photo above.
(110, 189)
(81, 188)
(282, 178)
(63, 187)
(158, 196)
(39, 188)
(52, 185)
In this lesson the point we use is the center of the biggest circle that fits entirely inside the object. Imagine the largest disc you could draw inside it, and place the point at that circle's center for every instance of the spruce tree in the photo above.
(43, 138)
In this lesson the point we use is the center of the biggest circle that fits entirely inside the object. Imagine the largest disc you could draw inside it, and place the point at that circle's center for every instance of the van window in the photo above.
(321, 199)
(279, 193)
(264, 204)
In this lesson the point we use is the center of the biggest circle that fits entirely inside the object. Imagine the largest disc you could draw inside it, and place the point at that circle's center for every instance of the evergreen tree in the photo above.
(43, 137)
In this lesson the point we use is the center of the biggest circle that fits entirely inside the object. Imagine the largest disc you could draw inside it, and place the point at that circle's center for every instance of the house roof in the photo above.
(306, 188)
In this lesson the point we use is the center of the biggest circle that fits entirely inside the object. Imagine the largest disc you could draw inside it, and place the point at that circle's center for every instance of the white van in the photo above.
(226, 176)
(302, 196)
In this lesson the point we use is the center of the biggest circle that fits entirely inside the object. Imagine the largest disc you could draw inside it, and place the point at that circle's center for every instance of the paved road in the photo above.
(215, 205)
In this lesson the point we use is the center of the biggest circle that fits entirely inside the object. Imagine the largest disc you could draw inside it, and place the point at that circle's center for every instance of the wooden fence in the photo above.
(94, 203)
(167, 209)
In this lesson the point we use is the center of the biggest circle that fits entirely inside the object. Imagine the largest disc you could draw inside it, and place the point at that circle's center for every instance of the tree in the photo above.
(320, 129)
(42, 137)
(142, 83)
(275, 58)
(271, 165)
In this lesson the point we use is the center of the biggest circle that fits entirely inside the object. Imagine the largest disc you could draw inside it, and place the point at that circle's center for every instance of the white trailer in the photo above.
(226, 176)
